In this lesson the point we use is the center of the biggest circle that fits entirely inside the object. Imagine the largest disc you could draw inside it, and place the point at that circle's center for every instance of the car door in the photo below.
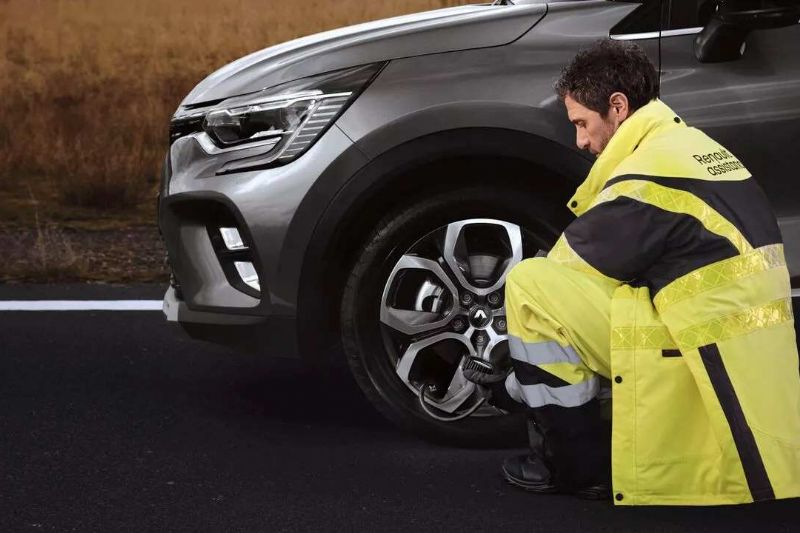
(750, 105)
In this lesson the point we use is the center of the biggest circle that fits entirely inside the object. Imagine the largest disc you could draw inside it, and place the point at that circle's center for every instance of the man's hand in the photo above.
(492, 379)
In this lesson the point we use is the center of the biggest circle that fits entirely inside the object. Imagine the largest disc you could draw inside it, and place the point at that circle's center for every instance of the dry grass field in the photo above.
(87, 88)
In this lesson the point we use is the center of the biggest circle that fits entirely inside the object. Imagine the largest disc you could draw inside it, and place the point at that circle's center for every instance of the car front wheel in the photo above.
(427, 291)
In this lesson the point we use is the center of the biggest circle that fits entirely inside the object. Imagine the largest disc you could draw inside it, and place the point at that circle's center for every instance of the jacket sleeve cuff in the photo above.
(503, 400)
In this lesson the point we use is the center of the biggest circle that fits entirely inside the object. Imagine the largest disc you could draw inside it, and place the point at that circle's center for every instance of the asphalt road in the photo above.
(113, 421)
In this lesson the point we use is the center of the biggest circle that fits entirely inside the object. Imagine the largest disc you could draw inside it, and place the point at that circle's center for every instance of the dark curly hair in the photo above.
(605, 68)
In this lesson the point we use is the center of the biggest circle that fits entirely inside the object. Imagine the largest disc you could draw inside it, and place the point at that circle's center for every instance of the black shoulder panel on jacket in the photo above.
(621, 238)
(743, 203)
(642, 244)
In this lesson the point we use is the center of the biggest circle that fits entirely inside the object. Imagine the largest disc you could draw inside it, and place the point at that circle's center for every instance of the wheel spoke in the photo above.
(408, 358)
(463, 264)
(420, 320)
(459, 390)
(414, 321)
(495, 339)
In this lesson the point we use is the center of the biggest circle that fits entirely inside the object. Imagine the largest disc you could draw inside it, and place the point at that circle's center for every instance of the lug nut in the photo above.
(494, 298)
(480, 344)
(458, 324)
(501, 324)
(466, 298)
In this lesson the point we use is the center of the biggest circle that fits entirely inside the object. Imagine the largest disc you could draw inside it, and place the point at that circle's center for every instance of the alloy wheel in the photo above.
(443, 301)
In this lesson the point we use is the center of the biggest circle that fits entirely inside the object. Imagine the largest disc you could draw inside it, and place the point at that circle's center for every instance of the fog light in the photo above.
(248, 274)
(232, 239)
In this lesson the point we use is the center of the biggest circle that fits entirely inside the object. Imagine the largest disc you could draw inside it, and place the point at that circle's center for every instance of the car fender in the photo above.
(317, 228)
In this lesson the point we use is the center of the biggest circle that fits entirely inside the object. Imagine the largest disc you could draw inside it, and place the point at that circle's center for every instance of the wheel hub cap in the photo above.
(480, 317)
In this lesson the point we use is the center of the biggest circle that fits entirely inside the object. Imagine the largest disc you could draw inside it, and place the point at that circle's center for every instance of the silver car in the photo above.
(361, 193)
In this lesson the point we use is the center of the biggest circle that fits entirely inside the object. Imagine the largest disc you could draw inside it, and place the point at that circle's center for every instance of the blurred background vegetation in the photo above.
(87, 88)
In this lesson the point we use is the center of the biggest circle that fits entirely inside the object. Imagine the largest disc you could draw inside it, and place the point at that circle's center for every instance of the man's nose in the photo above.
(582, 140)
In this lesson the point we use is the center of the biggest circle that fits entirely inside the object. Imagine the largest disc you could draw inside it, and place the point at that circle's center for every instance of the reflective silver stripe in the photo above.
(513, 388)
(541, 353)
(540, 394)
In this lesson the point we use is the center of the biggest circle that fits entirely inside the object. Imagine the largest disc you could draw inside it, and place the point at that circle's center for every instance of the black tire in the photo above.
(366, 352)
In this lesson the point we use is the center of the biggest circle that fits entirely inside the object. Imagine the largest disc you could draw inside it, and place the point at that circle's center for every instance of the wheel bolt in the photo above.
(458, 324)
(494, 298)
(501, 324)
(466, 298)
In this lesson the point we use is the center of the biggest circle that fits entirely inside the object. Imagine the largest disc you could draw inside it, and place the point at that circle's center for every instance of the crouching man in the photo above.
(671, 284)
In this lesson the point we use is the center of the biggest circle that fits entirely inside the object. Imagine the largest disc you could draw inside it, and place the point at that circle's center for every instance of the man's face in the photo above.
(593, 131)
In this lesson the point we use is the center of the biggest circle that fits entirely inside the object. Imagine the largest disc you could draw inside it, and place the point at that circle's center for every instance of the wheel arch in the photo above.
(440, 161)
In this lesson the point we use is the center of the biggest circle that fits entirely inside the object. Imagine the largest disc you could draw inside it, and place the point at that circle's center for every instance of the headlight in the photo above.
(273, 126)
(229, 127)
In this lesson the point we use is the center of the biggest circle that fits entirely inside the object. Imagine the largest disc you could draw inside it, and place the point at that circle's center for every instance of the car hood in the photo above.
(430, 32)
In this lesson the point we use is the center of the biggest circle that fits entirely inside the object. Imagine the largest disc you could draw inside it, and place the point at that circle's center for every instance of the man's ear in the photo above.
(619, 103)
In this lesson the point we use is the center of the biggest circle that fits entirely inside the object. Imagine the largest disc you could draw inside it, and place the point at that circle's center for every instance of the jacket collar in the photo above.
(654, 116)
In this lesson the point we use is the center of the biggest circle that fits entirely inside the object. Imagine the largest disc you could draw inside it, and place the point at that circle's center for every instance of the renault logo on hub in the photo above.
(480, 317)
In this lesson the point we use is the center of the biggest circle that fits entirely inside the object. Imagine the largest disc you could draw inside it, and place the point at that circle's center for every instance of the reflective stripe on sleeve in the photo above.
(721, 273)
(540, 394)
(540, 353)
(513, 388)
(734, 324)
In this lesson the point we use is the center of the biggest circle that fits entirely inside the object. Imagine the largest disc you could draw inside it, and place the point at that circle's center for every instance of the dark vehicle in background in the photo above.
(361, 193)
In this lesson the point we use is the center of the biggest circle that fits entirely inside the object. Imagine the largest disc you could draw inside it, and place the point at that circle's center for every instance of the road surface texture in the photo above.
(113, 421)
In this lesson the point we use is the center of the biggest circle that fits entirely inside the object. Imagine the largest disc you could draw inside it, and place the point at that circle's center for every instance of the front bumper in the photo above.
(273, 336)
(205, 298)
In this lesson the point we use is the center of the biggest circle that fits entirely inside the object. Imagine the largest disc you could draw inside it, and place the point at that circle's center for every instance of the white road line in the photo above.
(109, 305)
(80, 305)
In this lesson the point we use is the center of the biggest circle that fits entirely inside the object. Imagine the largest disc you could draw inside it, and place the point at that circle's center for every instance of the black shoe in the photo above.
(530, 473)
(578, 448)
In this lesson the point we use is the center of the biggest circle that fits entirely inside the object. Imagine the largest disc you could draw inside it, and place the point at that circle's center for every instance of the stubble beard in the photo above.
(608, 133)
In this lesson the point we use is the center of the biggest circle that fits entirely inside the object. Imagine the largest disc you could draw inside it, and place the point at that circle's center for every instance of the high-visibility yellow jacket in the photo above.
(706, 390)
